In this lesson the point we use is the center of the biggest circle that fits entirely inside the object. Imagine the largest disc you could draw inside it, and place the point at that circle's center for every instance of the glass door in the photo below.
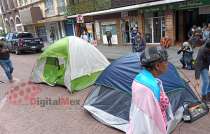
(154, 29)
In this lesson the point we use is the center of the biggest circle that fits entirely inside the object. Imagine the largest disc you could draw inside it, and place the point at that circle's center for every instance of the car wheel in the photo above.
(17, 52)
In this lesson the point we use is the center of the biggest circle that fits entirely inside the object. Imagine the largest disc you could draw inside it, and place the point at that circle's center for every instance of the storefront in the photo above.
(52, 30)
(106, 27)
(69, 25)
(90, 30)
(128, 22)
(193, 12)
(41, 32)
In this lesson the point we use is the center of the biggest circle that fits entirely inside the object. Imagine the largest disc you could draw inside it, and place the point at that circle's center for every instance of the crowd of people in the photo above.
(146, 85)
(197, 37)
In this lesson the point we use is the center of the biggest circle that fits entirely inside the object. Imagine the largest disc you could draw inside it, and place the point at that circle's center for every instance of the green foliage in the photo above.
(102, 4)
(2, 33)
(88, 6)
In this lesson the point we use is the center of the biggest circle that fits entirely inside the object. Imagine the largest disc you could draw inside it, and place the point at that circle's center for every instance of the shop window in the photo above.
(41, 32)
(112, 28)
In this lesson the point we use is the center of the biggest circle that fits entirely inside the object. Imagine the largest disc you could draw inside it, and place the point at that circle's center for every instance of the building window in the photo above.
(61, 6)
(49, 7)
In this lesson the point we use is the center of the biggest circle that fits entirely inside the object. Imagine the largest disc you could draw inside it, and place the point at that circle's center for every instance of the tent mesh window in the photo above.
(52, 61)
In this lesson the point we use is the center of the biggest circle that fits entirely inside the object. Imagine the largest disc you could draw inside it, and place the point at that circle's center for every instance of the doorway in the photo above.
(154, 29)
(125, 31)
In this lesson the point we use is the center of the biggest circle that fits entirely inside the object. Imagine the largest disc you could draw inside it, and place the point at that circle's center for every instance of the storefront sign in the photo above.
(80, 19)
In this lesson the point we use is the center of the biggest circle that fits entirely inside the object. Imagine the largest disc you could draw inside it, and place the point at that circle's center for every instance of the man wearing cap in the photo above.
(201, 70)
(5, 61)
(149, 101)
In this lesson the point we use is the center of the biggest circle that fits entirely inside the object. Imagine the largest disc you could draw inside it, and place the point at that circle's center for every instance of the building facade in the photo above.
(10, 15)
(54, 18)
(43, 18)
(154, 19)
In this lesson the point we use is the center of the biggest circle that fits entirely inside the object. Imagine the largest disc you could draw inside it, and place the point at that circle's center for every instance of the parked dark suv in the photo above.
(23, 41)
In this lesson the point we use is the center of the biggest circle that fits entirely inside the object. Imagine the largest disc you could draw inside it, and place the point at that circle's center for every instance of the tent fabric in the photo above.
(124, 70)
(70, 61)
(112, 93)
(85, 58)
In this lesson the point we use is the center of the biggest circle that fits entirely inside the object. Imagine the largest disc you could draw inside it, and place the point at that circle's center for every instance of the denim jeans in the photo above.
(7, 66)
(204, 82)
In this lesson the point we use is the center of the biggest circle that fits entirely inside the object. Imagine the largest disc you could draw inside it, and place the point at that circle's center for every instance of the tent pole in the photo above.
(195, 87)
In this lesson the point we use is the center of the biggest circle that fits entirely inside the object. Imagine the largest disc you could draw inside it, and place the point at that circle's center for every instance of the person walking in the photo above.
(201, 70)
(134, 32)
(52, 34)
(5, 62)
(140, 42)
(109, 38)
(84, 36)
(149, 101)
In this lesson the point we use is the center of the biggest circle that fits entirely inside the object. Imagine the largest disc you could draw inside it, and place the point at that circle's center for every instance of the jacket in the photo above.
(202, 61)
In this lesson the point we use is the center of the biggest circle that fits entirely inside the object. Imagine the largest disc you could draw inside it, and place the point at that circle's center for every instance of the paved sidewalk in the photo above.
(114, 52)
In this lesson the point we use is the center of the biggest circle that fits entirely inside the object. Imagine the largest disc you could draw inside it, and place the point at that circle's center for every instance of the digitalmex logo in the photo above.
(23, 93)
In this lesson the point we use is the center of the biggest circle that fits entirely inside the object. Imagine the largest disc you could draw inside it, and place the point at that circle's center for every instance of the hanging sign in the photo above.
(80, 19)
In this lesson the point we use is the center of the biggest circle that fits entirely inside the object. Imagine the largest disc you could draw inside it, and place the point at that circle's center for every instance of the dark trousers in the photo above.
(109, 40)
(186, 60)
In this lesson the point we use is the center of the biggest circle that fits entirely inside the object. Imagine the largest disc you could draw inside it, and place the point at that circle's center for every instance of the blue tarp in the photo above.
(120, 74)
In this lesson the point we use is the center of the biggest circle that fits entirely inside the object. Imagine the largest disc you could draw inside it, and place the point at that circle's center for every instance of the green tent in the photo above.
(71, 62)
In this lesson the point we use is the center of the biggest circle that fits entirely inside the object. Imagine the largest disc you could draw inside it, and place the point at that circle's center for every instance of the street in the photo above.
(53, 119)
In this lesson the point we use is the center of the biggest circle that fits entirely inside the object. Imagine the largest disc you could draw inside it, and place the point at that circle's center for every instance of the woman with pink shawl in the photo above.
(149, 101)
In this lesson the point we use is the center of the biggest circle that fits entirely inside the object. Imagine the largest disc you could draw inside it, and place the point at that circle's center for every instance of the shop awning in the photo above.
(128, 8)
(53, 19)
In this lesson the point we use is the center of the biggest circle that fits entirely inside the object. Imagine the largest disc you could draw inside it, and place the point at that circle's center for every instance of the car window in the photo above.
(24, 35)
